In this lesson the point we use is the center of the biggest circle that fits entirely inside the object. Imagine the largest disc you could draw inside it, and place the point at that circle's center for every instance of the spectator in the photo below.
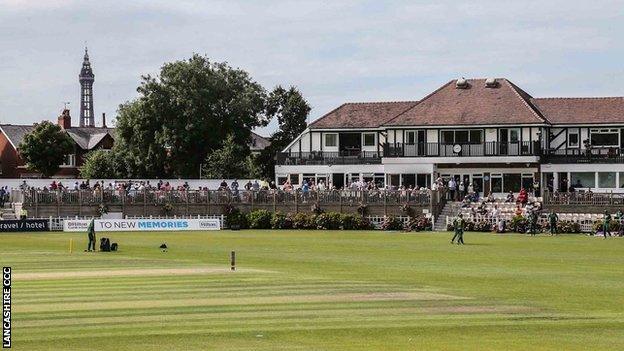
(510, 197)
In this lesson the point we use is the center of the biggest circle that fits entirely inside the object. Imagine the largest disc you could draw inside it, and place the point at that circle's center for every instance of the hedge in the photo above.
(263, 219)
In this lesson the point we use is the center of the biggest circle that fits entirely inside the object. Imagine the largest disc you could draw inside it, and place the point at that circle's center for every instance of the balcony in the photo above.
(492, 148)
(593, 155)
(346, 157)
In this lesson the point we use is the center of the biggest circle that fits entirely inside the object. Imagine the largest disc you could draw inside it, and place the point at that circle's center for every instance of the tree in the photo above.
(227, 162)
(292, 112)
(99, 164)
(45, 148)
(184, 114)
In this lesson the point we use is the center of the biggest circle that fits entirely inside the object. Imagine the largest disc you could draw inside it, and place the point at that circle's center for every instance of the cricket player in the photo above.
(606, 224)
(458, 225)
(552, 220)
(91, 234)
(532, 222)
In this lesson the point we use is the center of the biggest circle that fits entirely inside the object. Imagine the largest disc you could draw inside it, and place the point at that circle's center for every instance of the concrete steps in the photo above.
(450, 210)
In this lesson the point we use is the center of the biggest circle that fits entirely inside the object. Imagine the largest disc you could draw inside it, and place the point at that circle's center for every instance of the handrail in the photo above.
(226, 196)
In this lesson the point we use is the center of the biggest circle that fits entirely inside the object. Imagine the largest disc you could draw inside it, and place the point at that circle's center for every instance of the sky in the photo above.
(333, 52)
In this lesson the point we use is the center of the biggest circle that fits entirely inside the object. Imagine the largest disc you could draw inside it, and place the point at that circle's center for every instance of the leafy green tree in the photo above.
(99, 164)
(227, 162)
(183, 115)
(291, 110)
(45, 148)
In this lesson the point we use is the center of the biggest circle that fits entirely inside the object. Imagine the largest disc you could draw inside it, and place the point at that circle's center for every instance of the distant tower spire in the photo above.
(86, 79)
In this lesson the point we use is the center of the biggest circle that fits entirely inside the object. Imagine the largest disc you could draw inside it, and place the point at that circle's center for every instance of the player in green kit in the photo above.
(91, 234)
(532, 222)
(552, 220)
(458, 225)
(619, 216)
(606, 224)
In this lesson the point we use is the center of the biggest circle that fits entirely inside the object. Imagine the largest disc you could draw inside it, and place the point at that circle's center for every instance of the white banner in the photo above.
(141, 225)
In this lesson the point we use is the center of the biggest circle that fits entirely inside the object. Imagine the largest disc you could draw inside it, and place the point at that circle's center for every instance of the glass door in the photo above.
(509, 141)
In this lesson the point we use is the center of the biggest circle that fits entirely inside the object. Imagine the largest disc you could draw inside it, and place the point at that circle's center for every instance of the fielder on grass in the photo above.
(91, 234)
(459, 224)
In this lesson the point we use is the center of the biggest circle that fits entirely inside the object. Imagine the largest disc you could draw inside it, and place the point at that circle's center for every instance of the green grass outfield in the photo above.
(315, 290)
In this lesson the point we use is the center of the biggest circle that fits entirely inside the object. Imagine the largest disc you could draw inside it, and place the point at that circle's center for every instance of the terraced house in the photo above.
(488, 132)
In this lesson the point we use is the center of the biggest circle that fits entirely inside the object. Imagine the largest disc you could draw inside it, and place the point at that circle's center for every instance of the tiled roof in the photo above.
(362, 114)
(89, 137)
(474, 105)
(16, 133)
(581, 110)
(86, 137)
(258, 142)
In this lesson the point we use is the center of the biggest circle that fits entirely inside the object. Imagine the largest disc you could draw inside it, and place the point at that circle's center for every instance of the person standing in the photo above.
(532, 222)
(606, 224)
(458, 226)
(552, 220)
(91, 234)
(452, 186)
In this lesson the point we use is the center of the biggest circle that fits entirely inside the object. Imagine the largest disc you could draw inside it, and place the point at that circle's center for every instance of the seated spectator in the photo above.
(490, 198)
(523, 197)
(510, 197)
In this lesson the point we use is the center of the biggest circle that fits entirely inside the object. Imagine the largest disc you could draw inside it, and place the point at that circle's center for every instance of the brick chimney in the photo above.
(103, 120)
(64, 120)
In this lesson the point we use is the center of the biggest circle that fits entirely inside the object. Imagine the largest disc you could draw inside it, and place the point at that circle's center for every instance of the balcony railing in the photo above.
(593, 155)
(328, 158)
(491, 148)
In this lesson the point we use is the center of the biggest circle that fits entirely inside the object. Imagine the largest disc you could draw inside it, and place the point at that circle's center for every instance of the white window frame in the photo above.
(326, 135)
(364, 139)
(577, 132)
(72, 161)
(604, 131)
(481, 133)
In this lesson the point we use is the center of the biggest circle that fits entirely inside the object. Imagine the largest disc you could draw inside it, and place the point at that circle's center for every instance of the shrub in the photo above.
(483, 226)
(235, 219)
(281, 221)
(362, 223)
(613, 227)
(304, 221)
(348, 221)
(392, 223)
(518, 224)
(568, 227)
(259, 219)
(418, 224)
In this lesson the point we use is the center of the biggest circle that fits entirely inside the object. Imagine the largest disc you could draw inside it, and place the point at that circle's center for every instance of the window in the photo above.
(410, 137)
(604, 137)
(294, 179)
(281, 180)
(462, 137)
(606, 179)
(423, 180)
(473, 136)
(621, 179)
(368, 139)
(497, 183)
(331, 140)
(583, 179)
(70, 160)
(476, 136)
(448, 137)
(512, 182)
(573, 138)
(527, 181)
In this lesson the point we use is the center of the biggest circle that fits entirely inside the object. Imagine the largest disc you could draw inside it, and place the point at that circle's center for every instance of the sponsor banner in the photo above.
(25, 225)
(141, 225)
(6, 307)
